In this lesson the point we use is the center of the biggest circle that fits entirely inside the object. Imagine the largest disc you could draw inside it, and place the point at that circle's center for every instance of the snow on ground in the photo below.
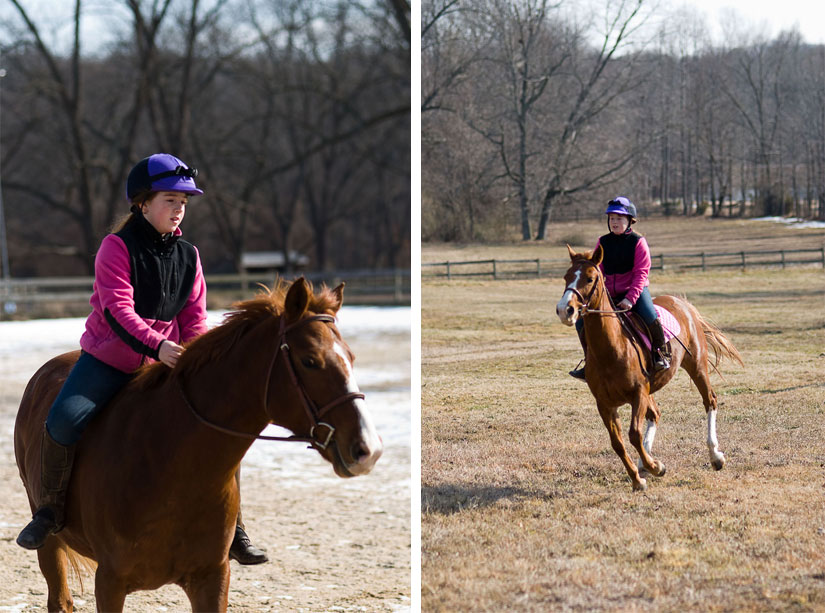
(793, 221)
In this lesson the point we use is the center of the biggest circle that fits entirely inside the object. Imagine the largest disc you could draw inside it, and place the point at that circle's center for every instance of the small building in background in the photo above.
(272, 262)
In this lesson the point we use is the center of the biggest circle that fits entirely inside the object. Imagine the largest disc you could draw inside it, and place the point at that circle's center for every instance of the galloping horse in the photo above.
(614, 370)
(153, 499)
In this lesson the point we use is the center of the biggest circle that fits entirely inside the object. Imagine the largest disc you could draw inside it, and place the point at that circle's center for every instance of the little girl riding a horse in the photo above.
(149, 296)
(625, 266)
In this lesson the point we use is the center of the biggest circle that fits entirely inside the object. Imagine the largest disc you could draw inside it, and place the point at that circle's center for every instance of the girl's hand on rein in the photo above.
(624, 304)
(169, 352)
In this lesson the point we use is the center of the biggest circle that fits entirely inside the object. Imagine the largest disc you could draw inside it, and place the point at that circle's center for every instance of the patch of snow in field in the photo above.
(793, 221)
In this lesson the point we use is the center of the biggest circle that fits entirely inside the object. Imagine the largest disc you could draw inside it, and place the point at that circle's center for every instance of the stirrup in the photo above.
(578, 372)
(660, 362)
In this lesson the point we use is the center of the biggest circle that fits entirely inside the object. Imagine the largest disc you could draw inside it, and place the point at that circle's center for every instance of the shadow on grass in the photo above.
(792, 388)
(449, 499)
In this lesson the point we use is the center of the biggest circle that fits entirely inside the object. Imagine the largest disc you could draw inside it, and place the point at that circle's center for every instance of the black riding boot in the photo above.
(660, 357)
(242, 550)
(578, 373)
(55, 470)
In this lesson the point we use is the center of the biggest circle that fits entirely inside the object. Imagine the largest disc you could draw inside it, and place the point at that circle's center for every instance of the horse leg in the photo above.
(651, 424)
(701, 379)
(610, 417)
(209, 591)
(110, 593)
(53, 564)
(641, 407)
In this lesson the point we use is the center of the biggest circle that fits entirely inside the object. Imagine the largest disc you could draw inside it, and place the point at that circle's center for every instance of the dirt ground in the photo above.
(345, 550)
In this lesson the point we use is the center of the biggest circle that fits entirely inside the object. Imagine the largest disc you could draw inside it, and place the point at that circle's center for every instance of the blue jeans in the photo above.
(89, 386)
(644, 307)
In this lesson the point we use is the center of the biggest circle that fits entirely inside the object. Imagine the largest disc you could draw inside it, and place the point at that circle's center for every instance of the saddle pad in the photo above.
(670, 325)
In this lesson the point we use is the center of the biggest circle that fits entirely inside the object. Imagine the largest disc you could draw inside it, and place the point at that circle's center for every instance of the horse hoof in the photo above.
(662, 469)
(718, 463)
(641, 486)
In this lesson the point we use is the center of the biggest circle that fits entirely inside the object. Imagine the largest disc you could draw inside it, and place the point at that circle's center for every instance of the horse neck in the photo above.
(603, 331)
(230, 393)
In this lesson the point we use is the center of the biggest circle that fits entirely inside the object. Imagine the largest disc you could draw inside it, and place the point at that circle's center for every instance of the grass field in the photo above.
(525, 506)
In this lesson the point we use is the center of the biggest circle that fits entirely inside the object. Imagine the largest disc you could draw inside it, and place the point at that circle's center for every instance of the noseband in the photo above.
(313, 412)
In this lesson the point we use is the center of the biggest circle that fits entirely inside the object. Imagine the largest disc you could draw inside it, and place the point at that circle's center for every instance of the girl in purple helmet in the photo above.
(149, 298)
(625, 265)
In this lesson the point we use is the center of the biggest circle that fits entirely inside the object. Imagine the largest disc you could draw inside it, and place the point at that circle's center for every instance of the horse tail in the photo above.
(720, 344)
(80, 565)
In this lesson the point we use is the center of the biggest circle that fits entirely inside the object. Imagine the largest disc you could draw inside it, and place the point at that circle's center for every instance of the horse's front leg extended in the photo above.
(610, 417)
(644, 406)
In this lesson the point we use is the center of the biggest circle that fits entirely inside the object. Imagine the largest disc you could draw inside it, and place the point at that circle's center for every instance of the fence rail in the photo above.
(390, 286)
(510, 269)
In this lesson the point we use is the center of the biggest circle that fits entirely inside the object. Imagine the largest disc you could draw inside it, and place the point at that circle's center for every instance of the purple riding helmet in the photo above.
(162, 172)
(622, 206)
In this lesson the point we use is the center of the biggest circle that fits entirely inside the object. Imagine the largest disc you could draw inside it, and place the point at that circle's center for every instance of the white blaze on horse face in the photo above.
(561, 308)
(370, 440)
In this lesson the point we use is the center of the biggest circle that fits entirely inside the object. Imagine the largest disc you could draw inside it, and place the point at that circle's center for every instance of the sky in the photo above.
(774, 15)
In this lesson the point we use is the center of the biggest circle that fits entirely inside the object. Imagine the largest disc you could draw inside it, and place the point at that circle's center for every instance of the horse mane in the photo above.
(243, 316)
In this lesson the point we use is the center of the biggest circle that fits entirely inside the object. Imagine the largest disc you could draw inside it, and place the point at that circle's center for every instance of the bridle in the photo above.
(313, 412)
(584, 309)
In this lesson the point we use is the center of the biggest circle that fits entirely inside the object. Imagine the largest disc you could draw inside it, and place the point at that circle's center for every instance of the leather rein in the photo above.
(313, 412)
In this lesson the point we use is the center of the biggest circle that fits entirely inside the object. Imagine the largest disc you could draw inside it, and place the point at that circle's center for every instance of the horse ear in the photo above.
(598, 255)
(571, 252)
(338, 292)
(297, 299)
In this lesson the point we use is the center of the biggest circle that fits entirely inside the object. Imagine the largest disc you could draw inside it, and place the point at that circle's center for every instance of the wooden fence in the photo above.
(50, 296)
(513, 269)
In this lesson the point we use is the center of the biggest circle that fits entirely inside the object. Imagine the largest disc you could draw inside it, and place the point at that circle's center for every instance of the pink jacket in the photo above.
(113, 291)
(630, 283)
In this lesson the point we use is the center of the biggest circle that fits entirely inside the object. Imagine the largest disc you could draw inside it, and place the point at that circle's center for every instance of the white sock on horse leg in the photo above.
(716, 456)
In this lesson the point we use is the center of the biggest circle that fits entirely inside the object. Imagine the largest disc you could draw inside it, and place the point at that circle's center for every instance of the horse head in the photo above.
(316, 384)
(582, 285)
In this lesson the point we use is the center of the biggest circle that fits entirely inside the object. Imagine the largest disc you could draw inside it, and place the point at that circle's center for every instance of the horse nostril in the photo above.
(359, 452)
(569, 310)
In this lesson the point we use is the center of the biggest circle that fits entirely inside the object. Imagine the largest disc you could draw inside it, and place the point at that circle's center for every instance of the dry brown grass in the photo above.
(525, 506)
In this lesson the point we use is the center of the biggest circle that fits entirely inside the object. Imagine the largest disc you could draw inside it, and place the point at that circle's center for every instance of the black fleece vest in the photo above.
(163, 270)
(619, 252)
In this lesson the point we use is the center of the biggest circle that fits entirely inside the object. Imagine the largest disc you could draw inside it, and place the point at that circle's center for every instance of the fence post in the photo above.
(495, 273)
(449, 277)
(782, 253)
(704, 268)
(823, 256)
(538, 268)
(662, 261)
(743, 261)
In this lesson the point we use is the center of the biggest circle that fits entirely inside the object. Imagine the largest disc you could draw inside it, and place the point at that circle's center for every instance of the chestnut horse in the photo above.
(153, 499)
(613, 362)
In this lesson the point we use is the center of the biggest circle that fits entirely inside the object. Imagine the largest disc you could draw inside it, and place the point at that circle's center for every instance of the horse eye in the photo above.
(309, 362)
